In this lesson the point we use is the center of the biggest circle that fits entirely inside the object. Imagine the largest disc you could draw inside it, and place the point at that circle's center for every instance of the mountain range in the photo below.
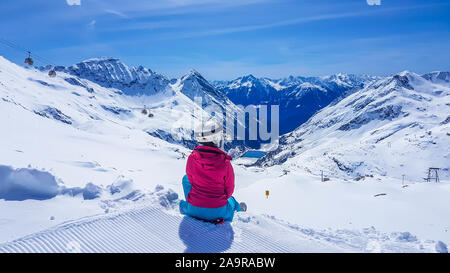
(405, 110)
(398, 125)
(298, 97)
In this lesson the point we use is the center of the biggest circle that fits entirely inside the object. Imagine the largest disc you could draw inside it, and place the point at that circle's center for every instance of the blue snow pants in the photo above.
(226, 212)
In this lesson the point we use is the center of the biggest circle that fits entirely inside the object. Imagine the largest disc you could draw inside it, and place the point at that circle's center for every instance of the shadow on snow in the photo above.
(204, 237)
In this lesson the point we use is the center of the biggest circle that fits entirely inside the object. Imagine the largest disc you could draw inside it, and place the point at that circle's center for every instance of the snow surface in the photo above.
(118, 170)
(140, 230)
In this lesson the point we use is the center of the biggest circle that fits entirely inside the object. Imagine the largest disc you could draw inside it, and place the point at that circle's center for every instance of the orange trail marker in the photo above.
(267, 194)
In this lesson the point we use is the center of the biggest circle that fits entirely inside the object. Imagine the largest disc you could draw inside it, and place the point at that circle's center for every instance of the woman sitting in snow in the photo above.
(209, 181)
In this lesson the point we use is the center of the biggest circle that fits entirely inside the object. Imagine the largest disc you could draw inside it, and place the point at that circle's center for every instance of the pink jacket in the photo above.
(212, 177)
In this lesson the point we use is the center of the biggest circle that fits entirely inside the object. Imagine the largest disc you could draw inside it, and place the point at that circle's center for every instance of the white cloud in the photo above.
(296, 21)
(373, 2)
(92, 23)
(128, 9)
(73, 2)
(116, 12)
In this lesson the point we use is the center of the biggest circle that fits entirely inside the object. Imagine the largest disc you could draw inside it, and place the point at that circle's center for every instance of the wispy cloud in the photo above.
(73, 2)
(296, 21)
(115, 12)
(145, 26)
(171, 7)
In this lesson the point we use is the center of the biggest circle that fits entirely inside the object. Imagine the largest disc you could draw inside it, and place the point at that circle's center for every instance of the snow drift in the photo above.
(22, 184)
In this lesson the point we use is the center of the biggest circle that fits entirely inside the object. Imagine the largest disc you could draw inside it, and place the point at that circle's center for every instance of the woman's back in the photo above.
(210, 172)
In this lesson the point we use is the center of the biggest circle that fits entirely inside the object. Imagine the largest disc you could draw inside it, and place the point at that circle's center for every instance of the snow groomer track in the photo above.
(156, 230)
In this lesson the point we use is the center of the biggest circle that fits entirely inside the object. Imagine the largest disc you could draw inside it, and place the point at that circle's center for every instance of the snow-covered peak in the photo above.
(111, 72)
(343, 80)
(291, 80)
(248, 78)
(193, 85)
(437, 76)
(102, 60)
(193, 73)
(195, 78)
(310, 85)
(410, 75)
(405, 73)
(275, 84)
(337, 76)
(405, 79)
(111, 69)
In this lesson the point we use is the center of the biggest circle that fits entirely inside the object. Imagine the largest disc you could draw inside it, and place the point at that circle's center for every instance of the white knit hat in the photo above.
(210, 131)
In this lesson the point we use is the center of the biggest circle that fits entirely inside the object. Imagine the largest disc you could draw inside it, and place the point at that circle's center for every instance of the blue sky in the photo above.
(229, 38)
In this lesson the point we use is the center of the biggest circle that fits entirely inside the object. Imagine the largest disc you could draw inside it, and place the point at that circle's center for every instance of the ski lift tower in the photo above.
(433, 173)
(144, 111)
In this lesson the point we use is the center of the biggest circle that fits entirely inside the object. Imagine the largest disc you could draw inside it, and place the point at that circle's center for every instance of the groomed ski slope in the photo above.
(152, 229)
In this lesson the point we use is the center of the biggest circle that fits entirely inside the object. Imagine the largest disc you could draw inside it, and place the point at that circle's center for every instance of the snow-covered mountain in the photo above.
(250, 90)
(145, 88)
(195, 87)
(140, 81)
(298, 97)
(88, 95)
(112, 73)
(395, 126)
(438, 77)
